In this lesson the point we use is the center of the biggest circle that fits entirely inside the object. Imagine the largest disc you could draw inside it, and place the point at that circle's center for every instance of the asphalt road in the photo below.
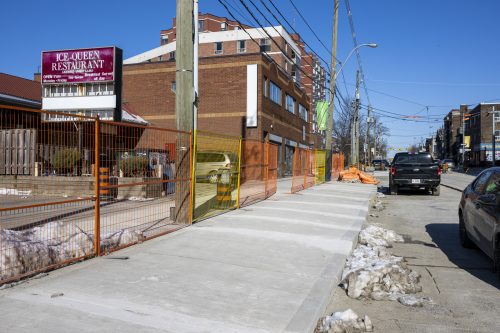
(460, 281)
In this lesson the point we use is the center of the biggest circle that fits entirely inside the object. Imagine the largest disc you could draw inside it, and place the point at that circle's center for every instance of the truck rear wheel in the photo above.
(394, 189)
(436, 190)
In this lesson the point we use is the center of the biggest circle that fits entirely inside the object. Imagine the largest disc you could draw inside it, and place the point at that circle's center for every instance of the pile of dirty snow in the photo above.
(373, 273)
(378, 236)
(343, 322)
(52, 243)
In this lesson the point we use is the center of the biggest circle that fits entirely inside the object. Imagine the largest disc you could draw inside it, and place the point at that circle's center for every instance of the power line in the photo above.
(358, 56)
(314, 33)
(293, 29)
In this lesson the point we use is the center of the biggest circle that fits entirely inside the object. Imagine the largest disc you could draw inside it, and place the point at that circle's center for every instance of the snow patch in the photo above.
(13, 191)
(346, 321)
(52, 243)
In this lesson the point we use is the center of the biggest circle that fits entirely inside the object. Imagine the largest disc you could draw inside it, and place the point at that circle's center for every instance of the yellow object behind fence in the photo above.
(216, 174)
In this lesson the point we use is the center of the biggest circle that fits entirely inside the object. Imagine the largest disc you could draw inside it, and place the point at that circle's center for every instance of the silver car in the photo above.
(210, 165)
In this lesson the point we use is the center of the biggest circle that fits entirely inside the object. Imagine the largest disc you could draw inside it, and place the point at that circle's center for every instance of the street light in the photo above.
(372, 45)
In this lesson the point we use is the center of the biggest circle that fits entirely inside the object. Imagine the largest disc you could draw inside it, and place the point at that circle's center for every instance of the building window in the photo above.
(264, 86)
(164, 39)
(274, 92)
(218, 48)
(223, 26)
(201, 25)
(265, 45)
(173, 86)
(171, 55)
(302, 112)
(290, 104)
(241, 46)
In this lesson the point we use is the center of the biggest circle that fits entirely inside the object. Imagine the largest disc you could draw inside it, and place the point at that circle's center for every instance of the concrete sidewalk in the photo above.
(269, 267)
(455, 180)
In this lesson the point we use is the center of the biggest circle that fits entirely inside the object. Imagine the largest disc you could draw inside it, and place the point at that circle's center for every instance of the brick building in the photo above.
(227, 56)
(452, 138)
(480, 129)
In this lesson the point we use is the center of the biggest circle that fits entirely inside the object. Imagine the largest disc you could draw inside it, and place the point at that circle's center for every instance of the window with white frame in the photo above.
(223, 26)
(290, 104)
(173, 86)
(265, 45)
(171, 55)
(302, 112)
(242, 46)
(218, 48)
(164, 39)
(274, 92)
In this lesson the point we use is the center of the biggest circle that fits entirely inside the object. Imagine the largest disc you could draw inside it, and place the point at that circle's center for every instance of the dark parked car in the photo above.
(479, 214)
(414, 170)
(380, 164)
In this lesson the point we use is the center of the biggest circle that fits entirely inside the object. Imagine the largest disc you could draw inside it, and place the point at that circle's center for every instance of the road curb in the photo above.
(452, 187)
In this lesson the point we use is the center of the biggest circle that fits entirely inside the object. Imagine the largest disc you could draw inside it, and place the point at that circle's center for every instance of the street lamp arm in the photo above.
(372, 45)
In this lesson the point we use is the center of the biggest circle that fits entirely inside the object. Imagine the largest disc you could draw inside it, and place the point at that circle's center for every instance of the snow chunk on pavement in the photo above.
(377, 236)
(373, 273)
(346, 321)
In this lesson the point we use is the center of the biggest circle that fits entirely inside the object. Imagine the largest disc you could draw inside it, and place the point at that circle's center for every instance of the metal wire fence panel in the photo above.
(253, 170)
(73, 187)
(138, 183)
(272, 169)
(319, 166)
(216, 174)
(300, 159)
(337, 165)
(303, 169)
(47, 212)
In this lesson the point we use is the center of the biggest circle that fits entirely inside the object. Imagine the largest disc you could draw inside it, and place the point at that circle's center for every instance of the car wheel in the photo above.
(213, 177)
(436, 190)
(394, 189)
(464, 236)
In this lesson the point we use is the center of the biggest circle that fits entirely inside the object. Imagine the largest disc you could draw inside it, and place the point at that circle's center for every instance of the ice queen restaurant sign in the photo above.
(78, 66)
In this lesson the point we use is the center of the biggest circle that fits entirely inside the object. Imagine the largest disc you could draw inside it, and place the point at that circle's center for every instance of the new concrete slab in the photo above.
(270, 267)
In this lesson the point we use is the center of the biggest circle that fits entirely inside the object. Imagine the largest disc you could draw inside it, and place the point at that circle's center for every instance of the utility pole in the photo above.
(184, 98)
(375, 132)
(366, 147)
(355, 127)
(493, 137)
(333, 64)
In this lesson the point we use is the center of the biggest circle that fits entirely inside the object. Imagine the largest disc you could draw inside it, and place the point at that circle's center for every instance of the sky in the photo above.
(435, 54)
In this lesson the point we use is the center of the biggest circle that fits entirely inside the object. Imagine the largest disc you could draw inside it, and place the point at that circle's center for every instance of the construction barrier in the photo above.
(258, 171)
(54, 176)
(215, 155)
(337, 165)
(319, 166)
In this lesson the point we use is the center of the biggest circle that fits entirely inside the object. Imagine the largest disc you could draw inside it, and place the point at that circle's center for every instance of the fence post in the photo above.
(97, 207)
(239, 174)
(266, 163)
(191, 175)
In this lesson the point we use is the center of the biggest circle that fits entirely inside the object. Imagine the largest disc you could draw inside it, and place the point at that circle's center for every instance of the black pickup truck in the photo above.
(418, 170)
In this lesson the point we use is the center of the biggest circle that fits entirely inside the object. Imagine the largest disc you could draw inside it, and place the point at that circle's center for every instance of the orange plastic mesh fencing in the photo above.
(272, 168)
(303, 169)
(139, 181)
(46, 191)
(354, 175)
(255, 175)
(216, 174)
